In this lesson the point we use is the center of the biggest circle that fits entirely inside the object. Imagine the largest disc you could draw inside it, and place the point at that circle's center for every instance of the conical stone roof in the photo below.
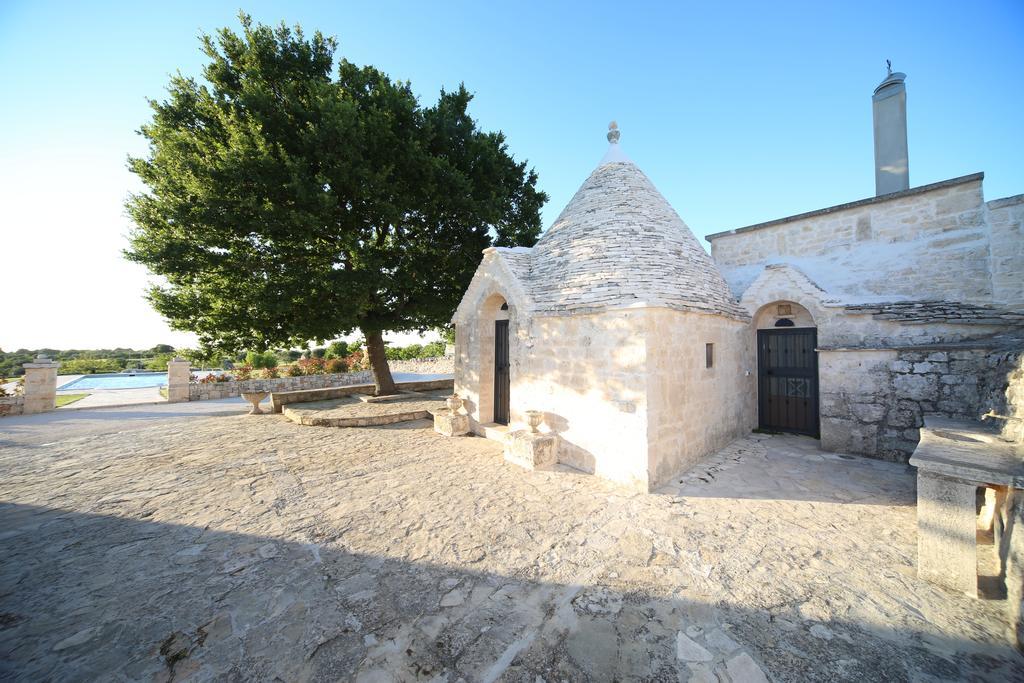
(618, 243)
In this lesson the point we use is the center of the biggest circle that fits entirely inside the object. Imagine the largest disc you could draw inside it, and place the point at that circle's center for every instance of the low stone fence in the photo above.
(12, 405)
(205, 391)
(213, 390)
(425, 366)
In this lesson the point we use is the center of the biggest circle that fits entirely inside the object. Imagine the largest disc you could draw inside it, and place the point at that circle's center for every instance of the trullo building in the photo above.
(617, 325)
(848, 323)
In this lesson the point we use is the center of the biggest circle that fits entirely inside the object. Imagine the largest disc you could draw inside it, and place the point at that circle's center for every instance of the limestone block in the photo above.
(946, 532)
(179, 374)
(40, 386)
(530, 450)
(450, 423)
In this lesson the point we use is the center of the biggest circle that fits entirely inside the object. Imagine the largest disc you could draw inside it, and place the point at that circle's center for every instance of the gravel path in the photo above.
(234, 547)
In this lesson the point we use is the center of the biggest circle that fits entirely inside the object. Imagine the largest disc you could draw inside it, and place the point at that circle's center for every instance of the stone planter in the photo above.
(534, 418)
(454, 403)
(254, 397)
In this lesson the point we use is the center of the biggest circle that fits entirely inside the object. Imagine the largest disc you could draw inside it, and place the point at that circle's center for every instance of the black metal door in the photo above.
(501, 379)
(787, 380)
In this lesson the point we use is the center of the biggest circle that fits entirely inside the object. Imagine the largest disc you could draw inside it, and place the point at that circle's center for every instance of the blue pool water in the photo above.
(141, 381)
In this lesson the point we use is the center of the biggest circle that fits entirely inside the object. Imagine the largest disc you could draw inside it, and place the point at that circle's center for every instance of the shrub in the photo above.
(89, 366)
(433, 350)
(338, 349)
(212, 378)
(319, 353)
(294, 370)
(268, 373)
(311, 366)
(259, 360)
(243, 372)
(335, 365)
(356, 361)
(159, 362)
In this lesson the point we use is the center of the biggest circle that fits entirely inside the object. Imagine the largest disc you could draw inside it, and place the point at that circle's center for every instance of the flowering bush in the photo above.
(335, 365)
(294, 370)
(312, 366)
(268, 373)
(356, 361)
(243, 372)
(212, 378)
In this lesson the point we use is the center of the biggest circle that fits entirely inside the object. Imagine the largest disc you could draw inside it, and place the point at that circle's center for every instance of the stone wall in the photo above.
(588, 373)
(213, 390)
(201, 392)
(873, 401)
(442, 365)
(12, 405)
(932, 242)
(1006, 218)
(694, 410)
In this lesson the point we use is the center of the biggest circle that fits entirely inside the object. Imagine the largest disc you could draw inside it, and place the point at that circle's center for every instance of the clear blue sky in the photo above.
(739, 112)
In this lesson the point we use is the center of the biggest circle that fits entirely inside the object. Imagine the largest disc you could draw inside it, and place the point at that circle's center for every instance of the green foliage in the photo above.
(413, 351)
(159, 362)
(11, 362)
(258, 360)
(318, 353)
(338, 349)
(335, 365)
(292, 198)
(90, 366)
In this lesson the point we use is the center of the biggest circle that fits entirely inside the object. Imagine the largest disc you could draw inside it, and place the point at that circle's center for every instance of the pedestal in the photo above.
(450, 423)
(531, 450)
(946, 532)
(179, 374)
(40, 385)
(254, 398)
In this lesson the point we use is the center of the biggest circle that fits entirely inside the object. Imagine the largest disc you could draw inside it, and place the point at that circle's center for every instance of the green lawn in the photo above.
(64, 399)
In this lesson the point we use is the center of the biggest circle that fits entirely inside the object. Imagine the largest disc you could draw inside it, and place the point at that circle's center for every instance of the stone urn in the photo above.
(454, 403)
(534, 418)
(254, 397)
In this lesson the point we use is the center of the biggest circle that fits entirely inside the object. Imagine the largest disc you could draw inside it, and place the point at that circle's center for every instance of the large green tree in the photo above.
(290, 200)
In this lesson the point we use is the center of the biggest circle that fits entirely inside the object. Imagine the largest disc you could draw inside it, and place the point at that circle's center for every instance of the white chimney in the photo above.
(889, 108)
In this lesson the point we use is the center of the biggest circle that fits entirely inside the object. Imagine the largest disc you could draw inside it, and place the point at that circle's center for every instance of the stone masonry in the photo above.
(874, 402)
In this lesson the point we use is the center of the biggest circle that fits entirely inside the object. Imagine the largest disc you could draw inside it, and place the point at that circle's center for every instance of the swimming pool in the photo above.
(119, 381)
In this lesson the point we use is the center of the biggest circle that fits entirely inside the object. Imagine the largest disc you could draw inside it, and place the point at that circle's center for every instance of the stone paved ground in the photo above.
(249, 548)
(349, 409)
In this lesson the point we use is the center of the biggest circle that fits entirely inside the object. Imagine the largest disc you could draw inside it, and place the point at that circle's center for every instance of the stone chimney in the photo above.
(889, 109)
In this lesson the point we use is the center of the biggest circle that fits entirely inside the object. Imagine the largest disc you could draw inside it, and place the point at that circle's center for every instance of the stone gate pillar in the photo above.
(40, 385)
(179, 374)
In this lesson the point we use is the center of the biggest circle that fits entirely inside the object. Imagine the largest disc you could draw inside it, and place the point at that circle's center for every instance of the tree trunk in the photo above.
(385, 385)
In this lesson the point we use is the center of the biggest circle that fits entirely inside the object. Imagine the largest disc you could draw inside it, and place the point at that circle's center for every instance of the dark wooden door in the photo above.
(787, 380)
(501, 379)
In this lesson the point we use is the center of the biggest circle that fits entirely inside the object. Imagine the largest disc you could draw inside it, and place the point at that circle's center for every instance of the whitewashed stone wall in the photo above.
(1006, 218)
(933, 242)
(626, 390)
(694, 410)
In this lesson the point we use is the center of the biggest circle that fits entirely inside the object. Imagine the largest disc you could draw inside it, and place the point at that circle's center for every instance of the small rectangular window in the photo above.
(709, 355)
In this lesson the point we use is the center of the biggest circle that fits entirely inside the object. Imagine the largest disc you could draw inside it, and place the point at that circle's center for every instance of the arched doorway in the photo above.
(501, 368)
(787, 369)
(494, 360)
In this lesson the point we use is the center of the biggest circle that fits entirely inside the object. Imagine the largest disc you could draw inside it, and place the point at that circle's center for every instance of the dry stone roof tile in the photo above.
(619, 243)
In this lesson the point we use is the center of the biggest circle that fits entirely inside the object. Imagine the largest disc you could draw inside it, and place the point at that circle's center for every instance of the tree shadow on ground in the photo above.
(91, 597)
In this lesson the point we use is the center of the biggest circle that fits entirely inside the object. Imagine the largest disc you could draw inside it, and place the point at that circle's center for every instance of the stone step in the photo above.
(494, 431)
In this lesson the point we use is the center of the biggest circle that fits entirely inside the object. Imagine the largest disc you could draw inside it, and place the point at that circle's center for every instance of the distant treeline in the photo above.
(92, 361)
(87, 361)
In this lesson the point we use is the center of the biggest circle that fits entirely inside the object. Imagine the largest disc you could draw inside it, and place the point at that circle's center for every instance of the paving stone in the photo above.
(255, 549)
